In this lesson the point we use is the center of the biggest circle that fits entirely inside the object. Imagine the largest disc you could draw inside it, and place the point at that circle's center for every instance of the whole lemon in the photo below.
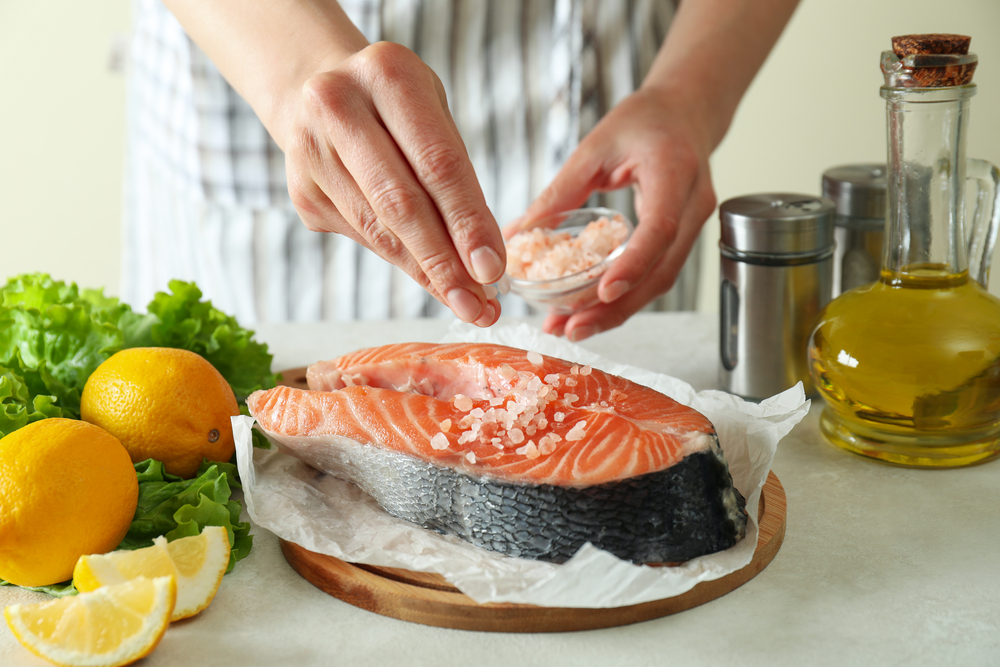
(165, 404)
(67, 488)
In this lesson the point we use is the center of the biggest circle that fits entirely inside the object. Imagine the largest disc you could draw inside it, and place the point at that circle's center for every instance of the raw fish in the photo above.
(513, 451)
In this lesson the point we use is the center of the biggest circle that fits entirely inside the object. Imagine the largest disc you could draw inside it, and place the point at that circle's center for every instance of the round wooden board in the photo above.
(427, 598)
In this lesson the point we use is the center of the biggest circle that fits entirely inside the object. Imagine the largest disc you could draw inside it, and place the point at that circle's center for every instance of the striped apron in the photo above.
(205, 191)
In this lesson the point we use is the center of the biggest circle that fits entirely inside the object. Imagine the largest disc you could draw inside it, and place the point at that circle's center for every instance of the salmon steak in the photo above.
(516, 452)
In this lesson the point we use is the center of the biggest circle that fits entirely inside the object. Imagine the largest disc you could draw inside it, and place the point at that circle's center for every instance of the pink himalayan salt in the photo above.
(577, 432)
(545, 254)
(439, 441)
(529, 450)
(517, 417)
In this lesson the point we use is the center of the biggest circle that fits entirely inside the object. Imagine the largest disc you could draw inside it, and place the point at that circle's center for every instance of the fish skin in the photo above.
(680, 505)
(685, 511)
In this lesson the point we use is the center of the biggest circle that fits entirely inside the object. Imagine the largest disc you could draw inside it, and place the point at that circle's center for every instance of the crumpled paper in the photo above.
(327, 515)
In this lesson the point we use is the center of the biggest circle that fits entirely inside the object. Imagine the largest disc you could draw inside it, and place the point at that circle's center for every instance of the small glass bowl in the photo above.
(568, 294)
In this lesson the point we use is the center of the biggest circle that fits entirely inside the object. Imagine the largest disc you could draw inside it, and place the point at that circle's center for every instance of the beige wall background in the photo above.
(814, 105)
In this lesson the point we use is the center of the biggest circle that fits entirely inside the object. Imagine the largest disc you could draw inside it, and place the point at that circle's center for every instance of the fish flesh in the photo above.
(513, 451)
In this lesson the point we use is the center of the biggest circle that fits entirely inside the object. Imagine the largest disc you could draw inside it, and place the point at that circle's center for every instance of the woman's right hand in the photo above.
(374, 154)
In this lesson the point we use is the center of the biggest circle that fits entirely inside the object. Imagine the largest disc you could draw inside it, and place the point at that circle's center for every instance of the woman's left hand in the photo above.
(652, 143)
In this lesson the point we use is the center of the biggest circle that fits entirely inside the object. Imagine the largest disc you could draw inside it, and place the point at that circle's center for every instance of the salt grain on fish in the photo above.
(578, 432)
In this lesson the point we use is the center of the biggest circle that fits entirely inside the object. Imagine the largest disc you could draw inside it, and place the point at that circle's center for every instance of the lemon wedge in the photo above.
(197, 563)
(114, 625)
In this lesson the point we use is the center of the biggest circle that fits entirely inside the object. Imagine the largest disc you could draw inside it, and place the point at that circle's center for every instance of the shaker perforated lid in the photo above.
(857, 190)
(777, 224)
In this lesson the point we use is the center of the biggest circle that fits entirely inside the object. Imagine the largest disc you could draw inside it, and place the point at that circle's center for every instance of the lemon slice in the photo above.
(197, 563)
(115, 625)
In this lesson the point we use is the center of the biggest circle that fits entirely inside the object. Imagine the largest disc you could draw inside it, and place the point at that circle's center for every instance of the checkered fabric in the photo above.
(205, 192)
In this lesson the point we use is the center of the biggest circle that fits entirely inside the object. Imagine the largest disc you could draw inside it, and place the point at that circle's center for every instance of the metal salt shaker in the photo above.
(777, 274)
(858, 193)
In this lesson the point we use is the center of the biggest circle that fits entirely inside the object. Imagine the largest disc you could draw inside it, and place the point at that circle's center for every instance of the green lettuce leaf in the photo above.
(19, 405)
(56, 335)
(175, 507)
(55, 590)
(187, 322)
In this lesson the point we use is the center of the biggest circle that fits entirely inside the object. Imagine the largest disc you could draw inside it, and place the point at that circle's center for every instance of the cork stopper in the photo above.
(934, 60)
(912, 45)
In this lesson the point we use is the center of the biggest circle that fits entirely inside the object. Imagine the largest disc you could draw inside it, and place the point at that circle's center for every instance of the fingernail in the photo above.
(464, 304)
(486, 319)
(614, 290)
(585, 331)
(558, 330)
(486, 264)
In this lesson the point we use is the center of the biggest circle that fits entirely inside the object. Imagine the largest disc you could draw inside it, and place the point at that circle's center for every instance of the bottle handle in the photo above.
(982, 233)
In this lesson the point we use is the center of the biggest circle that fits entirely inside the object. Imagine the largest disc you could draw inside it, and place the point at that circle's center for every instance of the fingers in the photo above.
(670, 192)
(604, 316)
(379, 159)
(429, 141)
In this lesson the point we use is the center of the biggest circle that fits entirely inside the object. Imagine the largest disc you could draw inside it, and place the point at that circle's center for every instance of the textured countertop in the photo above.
(880, 565)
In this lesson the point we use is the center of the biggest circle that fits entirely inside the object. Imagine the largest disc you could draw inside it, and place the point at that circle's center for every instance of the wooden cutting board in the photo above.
(427, 598)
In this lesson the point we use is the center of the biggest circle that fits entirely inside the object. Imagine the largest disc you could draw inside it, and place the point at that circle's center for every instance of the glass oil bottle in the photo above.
(909, 366)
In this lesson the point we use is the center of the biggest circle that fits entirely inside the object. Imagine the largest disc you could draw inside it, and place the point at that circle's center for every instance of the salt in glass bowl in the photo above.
(567, 294)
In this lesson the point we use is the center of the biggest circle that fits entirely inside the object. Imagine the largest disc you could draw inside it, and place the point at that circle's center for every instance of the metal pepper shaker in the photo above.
(858, 194)
(777, 274)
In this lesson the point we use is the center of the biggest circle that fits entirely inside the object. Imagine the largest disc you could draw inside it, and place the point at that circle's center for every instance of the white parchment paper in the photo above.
(330, 516)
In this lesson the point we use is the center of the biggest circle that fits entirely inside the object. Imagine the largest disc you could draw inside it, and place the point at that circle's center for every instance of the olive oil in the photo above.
(909, 368)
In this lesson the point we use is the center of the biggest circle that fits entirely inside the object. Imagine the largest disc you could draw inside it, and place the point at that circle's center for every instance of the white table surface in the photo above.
(880, 565)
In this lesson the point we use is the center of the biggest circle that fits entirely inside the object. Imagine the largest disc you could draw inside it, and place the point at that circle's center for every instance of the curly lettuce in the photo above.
(20, 403)
(60, 335)
(185, 321)
(175, 507)
(55, 337)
